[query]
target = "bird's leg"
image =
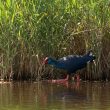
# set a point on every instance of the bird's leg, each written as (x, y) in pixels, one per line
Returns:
(67, 78)
(77, 77)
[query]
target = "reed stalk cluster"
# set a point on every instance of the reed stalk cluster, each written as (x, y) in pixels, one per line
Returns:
(33, 29)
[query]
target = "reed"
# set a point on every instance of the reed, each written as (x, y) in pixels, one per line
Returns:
(31, 30)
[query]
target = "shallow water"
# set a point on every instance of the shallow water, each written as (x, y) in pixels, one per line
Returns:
(48, 96)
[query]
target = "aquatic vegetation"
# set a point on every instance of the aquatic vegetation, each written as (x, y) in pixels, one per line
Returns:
(34, 29)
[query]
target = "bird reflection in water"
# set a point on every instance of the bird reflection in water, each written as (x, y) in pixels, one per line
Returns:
(60, 93)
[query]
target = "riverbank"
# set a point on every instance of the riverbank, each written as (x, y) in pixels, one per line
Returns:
(30, 31)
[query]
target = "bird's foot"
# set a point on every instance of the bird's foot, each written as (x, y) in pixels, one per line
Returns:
(59, 80)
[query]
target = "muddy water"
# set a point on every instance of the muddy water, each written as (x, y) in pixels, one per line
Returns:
(48, 96)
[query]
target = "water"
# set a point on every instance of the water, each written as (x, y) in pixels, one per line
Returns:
(48, 96)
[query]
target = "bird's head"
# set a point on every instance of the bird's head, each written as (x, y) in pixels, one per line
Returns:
(91, 56)
(49, 60)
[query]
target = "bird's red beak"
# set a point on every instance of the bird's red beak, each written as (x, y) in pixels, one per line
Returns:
(45, 61)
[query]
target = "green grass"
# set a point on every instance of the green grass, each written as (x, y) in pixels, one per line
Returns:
(31, 30)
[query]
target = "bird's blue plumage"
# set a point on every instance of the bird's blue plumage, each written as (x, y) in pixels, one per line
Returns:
(72, 63)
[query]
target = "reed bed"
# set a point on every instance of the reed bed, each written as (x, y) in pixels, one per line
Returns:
(33, 29)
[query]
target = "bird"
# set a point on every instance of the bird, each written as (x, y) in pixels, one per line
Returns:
(71, 63)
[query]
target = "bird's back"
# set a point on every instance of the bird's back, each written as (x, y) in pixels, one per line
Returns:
(71, 63)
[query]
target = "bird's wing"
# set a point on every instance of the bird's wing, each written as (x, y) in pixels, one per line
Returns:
(69, 58)
(68, 61)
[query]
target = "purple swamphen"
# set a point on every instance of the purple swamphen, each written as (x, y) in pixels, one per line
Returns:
(71, 63)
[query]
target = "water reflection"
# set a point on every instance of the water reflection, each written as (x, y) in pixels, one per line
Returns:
(54, 96)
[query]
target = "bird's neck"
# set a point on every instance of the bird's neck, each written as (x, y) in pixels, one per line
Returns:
(54, 63)
(86, 58)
